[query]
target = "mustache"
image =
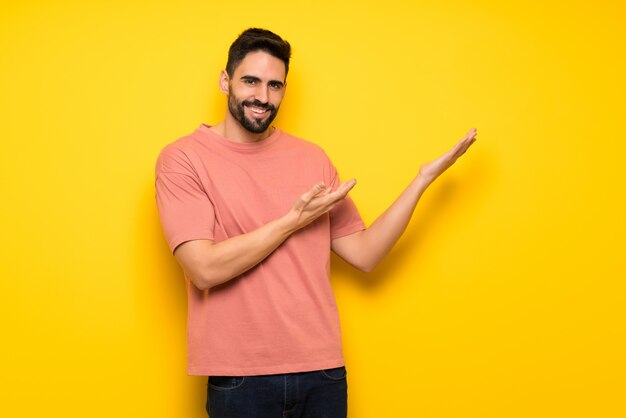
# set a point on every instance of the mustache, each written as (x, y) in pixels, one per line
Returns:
(257, 103)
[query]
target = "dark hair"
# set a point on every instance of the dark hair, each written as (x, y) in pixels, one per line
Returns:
(255, 39)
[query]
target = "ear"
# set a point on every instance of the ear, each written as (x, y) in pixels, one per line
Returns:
(224, 80)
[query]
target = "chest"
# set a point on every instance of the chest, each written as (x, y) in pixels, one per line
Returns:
(250, 191)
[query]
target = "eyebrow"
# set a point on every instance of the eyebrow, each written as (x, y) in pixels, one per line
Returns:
(253, 78)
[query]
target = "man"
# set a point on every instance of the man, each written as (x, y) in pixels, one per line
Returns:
(251, 214)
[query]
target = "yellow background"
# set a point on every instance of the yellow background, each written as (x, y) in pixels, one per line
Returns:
(504, 298)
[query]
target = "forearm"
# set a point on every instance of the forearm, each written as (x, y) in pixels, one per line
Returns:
(211, 264)
(375, 242)
(381, 236)
(208, 264)
(365, 249)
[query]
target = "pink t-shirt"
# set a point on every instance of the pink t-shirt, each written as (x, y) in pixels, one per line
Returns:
(280, 316)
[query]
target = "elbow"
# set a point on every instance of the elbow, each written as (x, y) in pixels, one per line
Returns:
(207, 275)
(361, 261)
(203, 280)
(199, 264)
(201, 284)
(365, 267)
(368, 262)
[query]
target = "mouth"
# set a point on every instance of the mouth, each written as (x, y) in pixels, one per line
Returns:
(258, 111)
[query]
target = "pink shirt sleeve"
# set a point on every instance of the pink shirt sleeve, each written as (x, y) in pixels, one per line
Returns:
(185, 209)
(344, 217)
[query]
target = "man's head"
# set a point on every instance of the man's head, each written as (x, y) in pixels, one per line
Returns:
(255, 39)
(255, 78)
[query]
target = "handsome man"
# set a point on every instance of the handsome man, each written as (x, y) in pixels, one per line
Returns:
(251, 214)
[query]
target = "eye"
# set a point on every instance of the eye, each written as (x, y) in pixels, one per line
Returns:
(275, 85)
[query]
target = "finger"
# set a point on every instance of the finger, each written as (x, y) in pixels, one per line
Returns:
(452, 155)
(343, 189)
(326, 191)
(462, 150)
(470, 134)
(313, 191)
(465, 147)
(464, 143)
(329, 196)
(346, 186)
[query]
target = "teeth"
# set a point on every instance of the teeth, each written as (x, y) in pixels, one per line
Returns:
(257, 110)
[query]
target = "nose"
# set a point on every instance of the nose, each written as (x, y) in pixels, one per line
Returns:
(262, 94)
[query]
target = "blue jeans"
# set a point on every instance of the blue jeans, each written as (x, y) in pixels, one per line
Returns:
(316, 394)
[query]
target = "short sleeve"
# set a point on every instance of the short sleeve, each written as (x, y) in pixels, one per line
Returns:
(185, 210)
(344, 217)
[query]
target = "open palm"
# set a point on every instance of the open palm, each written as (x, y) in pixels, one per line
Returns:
(430, 171)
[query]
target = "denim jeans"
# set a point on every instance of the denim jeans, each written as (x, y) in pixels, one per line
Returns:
(316, 394)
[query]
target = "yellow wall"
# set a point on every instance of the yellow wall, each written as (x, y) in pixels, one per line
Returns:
(506, 295)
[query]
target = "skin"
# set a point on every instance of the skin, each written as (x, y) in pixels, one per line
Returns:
(260, 77)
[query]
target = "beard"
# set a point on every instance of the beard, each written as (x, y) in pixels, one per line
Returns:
(254, 125)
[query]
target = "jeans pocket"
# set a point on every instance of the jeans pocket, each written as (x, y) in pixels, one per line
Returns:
(337, 373)
(225, 382)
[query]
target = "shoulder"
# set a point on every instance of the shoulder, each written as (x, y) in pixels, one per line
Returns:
(175, 156)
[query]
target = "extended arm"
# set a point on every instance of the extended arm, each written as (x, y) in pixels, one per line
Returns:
(365, 249)
(208, 264)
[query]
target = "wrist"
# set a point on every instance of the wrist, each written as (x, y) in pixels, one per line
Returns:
(287, 224)
(423, 181)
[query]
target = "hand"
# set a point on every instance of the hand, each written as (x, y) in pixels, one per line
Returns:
(430, 171)
(317, 201)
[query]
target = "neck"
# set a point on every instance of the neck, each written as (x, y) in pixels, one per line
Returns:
(230, 128)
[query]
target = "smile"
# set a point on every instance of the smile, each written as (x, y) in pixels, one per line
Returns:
(257, 110)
